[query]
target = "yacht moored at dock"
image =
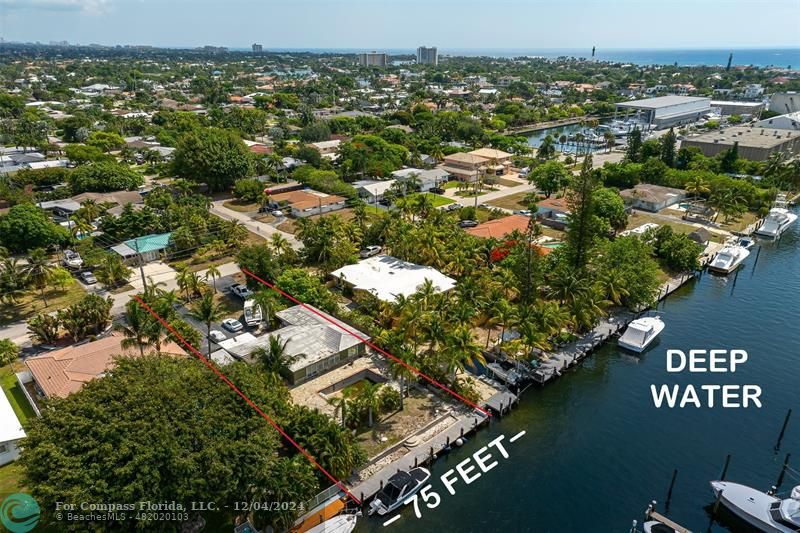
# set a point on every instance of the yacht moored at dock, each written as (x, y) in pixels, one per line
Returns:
(759, 509)
(641, 332)
(728, 259)
(399, 487)
(778, 220)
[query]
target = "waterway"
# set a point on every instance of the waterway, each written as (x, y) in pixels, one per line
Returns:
(535, 138)
(596, 450)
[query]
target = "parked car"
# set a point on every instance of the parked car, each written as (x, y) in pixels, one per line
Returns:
(468, 223)
(453, 207)
(88, 278)
(369, 251)
(232, 325)
(523, 212)
(241, 291)
(277, 213)
(385, 201)
(217, 336)
(436, 190)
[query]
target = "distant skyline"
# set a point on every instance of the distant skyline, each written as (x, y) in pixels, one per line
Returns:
(406, 24)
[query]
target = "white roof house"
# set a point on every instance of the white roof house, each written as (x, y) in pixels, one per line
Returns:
(387, 277)
(10, 431)
(789, 121)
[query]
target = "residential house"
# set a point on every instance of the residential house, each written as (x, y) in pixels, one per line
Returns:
(307, 202)
(465, 167)
(316, 342)
(427, 179)
(387, 277)
(144, 249)
(499, 162)
(11, 432)
(373, 190)
(327, 149)
(553, 212)
(500, 227)
(649, 197)
(59, 373)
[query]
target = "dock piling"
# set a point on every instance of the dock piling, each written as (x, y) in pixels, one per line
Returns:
(669, 492)
(783, 430)
(783, 470)
(725, 468)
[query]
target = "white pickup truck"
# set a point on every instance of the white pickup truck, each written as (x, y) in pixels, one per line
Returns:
(241, 291)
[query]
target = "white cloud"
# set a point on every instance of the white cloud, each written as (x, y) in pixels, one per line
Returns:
(86, 6)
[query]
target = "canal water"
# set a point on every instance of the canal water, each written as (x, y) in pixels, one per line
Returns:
(596, 450)
(535, 139)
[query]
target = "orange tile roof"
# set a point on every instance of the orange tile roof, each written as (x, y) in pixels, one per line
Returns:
(559, 204)
(302, 199)
(500, 227)
(61, 372)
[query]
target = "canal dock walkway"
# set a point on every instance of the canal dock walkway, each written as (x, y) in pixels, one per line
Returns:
(420, 454)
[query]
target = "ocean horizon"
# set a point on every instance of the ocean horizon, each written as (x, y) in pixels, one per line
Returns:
(759, 57)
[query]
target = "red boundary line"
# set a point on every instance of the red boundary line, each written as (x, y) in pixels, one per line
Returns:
(233, 387)
(366, 341)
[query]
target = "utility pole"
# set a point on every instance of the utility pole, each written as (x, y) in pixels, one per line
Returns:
(141, 264)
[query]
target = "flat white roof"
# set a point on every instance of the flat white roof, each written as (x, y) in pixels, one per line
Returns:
(387, 277)
(10, 426)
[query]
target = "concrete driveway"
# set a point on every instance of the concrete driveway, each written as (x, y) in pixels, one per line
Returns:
(254, 226)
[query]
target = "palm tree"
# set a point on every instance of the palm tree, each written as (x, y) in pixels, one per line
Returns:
(182, 278)
(506, 315)
(369, 396)
(612, 284)
(90, 210)
(274, 358)
(38, 271)
(460, 349)
(206, 310)
(138, 324)
(340, 404)
(214, 273)
(697, 186)
(280, 245)
(268, 302)
(234, 232)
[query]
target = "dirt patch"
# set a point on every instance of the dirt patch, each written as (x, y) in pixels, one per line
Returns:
(241, 207)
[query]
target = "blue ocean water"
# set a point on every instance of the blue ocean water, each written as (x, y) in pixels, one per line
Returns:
(759, 57)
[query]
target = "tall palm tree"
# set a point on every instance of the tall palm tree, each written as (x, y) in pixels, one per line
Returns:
(697, 186)
(38, 271)
(135, 329)
(460, 349)
(268, 302)
(182, 278)
(280, 245)
(340, 405)
(213, 273)
(206, 310)
(505, 314)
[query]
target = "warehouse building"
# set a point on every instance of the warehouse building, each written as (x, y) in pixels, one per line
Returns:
(667, 111)
(755, 144)
(737, 107)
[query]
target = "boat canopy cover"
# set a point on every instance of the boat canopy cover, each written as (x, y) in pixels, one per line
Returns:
(637, 333)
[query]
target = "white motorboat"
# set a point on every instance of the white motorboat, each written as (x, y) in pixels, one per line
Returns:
(765, 512)
(343, 523)
(640, 333)
(399, 487)
(252, 313)
(728, 259)
(778, 220)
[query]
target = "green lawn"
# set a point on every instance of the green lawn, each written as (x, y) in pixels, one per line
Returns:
(512, 201)
(15, 395)
(10, 474)
(436, 199)
(452, 184)
(242, 207)
(31, 303)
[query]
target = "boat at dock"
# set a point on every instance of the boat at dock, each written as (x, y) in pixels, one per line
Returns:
(640, 333)
(400, 487)
(343, 523)
(746, 242)
(728, 259)
(778, 220)
(759, 509)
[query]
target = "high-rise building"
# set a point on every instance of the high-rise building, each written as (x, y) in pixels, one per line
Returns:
(427, 55)
(257, 48)
(373, 59)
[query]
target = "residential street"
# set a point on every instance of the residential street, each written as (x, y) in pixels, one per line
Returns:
(259, 228)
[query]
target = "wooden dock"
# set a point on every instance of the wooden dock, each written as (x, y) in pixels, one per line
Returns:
(501, 402)
(653, 515)
(421, 454)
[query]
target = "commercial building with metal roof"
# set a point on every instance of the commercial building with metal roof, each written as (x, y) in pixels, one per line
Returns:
(667, 111)
(755, 144)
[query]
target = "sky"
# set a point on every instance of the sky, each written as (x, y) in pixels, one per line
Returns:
(406, 24)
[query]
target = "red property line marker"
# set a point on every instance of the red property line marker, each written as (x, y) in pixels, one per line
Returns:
(367, 342)
(233, 387)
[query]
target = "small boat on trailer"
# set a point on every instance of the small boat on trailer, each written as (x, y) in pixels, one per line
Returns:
(343, 523)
